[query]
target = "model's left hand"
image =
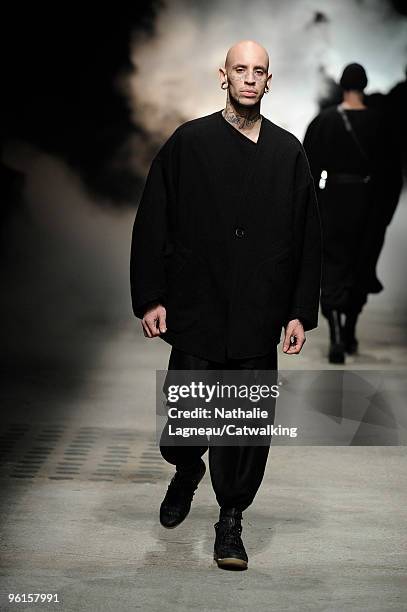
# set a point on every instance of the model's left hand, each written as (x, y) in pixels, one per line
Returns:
(294, 328)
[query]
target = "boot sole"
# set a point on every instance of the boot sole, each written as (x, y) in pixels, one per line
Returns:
(172, 526)
(231, 563)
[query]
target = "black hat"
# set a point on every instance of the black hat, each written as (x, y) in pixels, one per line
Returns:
(353, 77)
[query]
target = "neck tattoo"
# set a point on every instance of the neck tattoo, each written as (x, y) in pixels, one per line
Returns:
(240, 121)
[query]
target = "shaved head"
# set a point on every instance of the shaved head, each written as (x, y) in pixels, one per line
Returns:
(245, 51)
(246, 79)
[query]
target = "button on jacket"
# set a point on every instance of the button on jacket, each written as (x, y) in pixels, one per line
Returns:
(227, 237)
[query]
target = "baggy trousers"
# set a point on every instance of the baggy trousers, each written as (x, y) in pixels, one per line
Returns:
(236, 471)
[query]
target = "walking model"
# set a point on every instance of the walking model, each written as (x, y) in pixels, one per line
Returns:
(226, 251)
(357, 172)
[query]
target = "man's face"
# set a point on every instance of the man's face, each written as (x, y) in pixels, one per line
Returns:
(247, 76)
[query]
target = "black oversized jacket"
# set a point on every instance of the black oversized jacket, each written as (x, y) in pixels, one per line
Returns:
(230, 274)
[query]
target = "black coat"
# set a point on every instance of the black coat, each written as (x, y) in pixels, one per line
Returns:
(231, 271)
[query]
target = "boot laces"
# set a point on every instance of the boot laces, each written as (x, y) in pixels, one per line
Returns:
(230, 532)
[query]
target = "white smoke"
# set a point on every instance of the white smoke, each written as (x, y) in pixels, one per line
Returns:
(67, 260)
(177, 70)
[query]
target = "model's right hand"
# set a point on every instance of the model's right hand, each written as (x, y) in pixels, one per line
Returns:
(154, 321)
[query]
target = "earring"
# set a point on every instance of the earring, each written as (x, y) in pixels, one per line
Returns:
(224, 83)
(266, 89)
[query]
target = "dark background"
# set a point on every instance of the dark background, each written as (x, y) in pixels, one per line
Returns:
(75, 155)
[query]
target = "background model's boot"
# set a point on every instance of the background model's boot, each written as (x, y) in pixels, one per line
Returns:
(177, 501)
(337, 347)
(229, 552)
(349, 333)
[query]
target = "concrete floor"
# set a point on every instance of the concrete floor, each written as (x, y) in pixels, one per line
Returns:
(325, 533)
(82, 480)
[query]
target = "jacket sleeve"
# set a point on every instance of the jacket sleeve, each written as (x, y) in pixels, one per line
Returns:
(147, 273)
(306, 294)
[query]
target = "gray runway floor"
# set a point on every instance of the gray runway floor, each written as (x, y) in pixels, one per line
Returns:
(82, 480)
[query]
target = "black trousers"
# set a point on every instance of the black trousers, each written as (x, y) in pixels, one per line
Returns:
(236, 471)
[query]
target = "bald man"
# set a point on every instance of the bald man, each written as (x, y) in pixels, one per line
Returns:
(226, 252)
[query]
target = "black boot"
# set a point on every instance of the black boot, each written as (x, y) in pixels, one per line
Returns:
(337, 347)
(349, 333)
(229, 552)
(177, 501)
